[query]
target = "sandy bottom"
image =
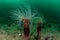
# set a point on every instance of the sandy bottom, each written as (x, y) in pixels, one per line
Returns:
(49, 35)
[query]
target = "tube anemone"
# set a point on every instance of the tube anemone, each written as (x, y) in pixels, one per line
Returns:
(39, 30)
(26, 29)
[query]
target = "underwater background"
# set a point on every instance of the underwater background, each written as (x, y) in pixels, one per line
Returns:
(12, 13)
